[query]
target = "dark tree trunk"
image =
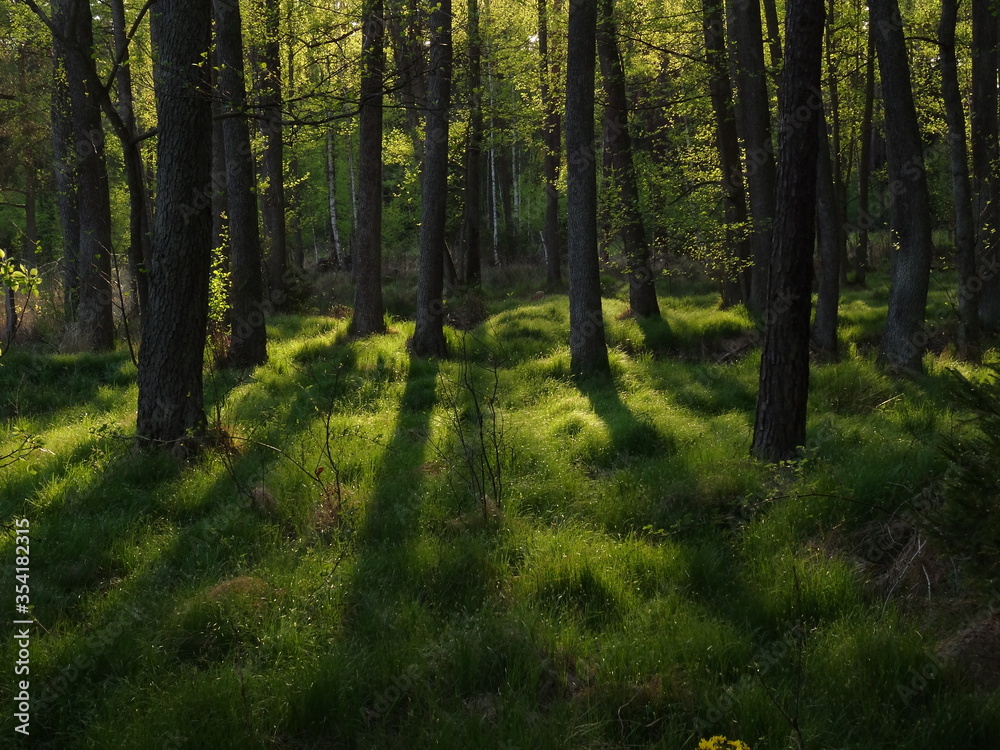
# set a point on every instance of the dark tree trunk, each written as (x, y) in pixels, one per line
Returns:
(64, 171)
(865, 165)
(140, 215)
(220, 194)
(985, 155)
(755, 125)
(428, 335)
(94, 312)
(587, 347)
(369, 310)
(248, 339)
(474, 155)
(828, 230)
(736, 283)
(965, 240)
(171, 360)
(272, 165)
(618, 144)
(773, 33)
(551, 127)
(910, 214)
(780, 424)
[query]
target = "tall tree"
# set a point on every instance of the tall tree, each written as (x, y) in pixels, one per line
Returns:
(171, 361)
(824, 335)
(549, 71)
(369, 310)
(248, 339)
(273, 160)
(428, 335)
(910, 213)
(985, 128)
(94, 311)
(618, 145)
(735, 286)
(780, 422)
(755, 125)
(965, 241)
(865, 163)
(587, 347)
(472, 220)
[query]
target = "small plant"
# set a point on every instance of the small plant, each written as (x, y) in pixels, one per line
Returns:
(478, 430)
(219, 327)
(718, 742)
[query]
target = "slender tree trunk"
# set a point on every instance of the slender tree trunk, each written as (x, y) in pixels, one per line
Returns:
(272, 164)
(551, 127)
(828, 224)
(985, 156)
(965, 241)
(755, 116)
(220, 193)
(587, 347)
(780, 423)
(140, 231)
(64, 171)
(94, 313)
(773, 34)
(331, 189)
(833, 126)
(369, 310)
(405, 25)
(736, 283)
(474, 155)
(171, 360)
(428, 335)
(248, 339)
(865, 165)
(904, 339)
(642, 290)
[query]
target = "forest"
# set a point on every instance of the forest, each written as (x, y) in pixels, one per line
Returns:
(501, 374)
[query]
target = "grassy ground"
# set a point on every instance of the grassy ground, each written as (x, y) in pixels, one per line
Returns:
(642, 584)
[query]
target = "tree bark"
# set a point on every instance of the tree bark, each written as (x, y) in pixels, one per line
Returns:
(755, 122)
(171, 360)
(248, 338)
(64, 171)
(965, 241)
(94, 312)
(428, 335)
(587, 347)
(865, 165)
(474, 155)
(910, 213)
(828, 223)
(642, 289)
(780, 423)
(735, 283)
(551, 137)
(369, 310)
(985, 155)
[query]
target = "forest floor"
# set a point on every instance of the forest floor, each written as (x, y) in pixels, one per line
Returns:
(332, 575)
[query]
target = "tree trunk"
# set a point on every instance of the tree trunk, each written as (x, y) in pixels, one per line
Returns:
(755, 122)
(910, 214)
(828, 225)
(642, 290)
(405, 26)
(64, 171)
(773, 33)
(780, 423)
(965, 241)
(985, 155)
(474, 155)
(272, 164)
(171, 360)
(736, 273)
(369, 310)
(94, 312)
(248, 338)
(551, 127)
(331, 189)
(428, 335)
(587, 347)
(865, 165)
(140, 230)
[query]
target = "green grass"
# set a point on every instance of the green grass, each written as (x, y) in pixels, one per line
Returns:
(641, 565)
